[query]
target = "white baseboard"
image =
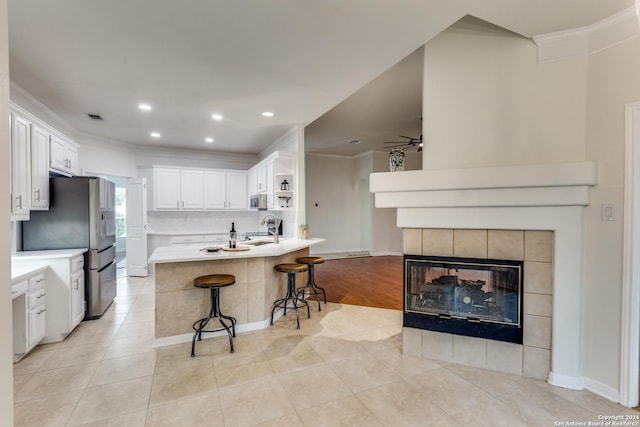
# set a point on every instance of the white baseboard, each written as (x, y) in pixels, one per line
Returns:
(343, 254)
(566, 381)
(582, 383)
(386, 253)
(603, 390)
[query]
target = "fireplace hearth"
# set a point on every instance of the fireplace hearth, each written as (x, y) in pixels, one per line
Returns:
(464, 296)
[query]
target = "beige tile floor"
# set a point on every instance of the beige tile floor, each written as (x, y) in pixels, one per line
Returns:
(343, 367)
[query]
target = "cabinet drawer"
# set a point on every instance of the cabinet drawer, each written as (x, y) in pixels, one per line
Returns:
(37, 298)
(185, 240)
(36, 282)
(77, 263)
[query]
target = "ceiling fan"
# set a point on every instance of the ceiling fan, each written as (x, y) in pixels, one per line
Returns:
(408, 144)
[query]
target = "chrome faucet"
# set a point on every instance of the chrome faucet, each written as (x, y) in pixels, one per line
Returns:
(276, 237)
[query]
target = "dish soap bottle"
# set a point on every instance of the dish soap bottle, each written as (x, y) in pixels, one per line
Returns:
(232, 236)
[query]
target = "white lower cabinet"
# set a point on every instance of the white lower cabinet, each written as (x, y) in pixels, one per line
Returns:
(64, 288)
(29, 313)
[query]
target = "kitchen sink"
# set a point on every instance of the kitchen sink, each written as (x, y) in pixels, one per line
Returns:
(258, 243)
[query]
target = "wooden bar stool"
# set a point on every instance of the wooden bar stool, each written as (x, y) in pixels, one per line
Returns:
(311, 285)
(291, 270)
(213, 282)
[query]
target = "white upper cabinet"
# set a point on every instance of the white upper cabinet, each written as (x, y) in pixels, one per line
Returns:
(166, 188)
(20, 167)
(39, 168)
(215, 196)
(225, 190)
(269, 184)
(195, 189)
(237, 190)
(192, 189)
(252, 182)
(261, 171)
(63, 156)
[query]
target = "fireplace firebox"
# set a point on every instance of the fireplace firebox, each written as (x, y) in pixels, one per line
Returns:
(464, 296)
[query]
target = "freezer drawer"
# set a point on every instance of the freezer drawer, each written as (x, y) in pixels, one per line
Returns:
(98, 259)
(100, 290)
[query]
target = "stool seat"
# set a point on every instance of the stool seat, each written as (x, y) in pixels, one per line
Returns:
(286, 268)
(310, 260)
(291, 270)
(210, 280)
(311, 286)
(213, 282)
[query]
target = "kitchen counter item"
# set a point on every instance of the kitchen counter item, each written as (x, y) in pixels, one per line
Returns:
(239, 248)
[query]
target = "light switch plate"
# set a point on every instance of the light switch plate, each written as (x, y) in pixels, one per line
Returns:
(608, 212)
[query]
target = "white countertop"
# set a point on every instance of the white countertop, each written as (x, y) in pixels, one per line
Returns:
(55, 253)
(19, 273)
(194, 253)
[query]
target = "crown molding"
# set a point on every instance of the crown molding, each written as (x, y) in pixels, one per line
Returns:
(584, 41)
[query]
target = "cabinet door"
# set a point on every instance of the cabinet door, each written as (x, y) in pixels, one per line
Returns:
(270, 195)
(167, 189)
(77, 297)
(72, 160)
(261, 170)
(20, 167)
(236, 190)
(37, 323)
(192, 189)
(252, 182)
(215, 190)
(57, 154)
(39, 168)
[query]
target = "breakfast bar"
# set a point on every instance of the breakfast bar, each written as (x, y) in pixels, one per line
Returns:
(250, 300)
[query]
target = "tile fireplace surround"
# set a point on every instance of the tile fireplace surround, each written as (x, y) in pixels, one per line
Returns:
(535, 248)
(548, 199)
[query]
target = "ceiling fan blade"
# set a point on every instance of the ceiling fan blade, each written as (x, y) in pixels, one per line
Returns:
(408, 137)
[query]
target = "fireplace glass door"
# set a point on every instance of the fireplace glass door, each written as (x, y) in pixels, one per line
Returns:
(460, 288)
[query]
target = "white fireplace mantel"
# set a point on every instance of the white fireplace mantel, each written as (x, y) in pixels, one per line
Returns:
(526, 197)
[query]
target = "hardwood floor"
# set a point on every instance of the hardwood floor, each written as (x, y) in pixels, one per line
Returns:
(366, 281)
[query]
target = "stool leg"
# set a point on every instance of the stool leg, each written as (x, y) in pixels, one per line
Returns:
(312, 286)
(216, 301)
(202, 323)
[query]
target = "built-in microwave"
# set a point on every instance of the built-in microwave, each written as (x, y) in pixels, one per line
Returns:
(258, 201)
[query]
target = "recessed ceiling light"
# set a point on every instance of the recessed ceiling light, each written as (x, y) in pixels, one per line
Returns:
(145, 107)
(209, 140)
(267, 114)
(155, 135)
(216, 116)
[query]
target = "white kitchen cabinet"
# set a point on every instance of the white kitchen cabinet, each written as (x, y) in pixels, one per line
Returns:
(39, 167)
(63, 156)
(215, 184)
(269, 183)
(252, 182)
(261, 173)
(225, 190)
(20, 167)
(77, 294)
(176, 189)
(64, 287)
(192, 189)
(28, 310)
(37, 307)
(237, 190)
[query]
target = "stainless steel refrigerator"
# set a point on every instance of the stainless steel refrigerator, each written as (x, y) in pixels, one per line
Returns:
(81, 215)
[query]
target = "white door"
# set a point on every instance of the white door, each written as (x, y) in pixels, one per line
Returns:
(39, 168)
(136, 227)
(20, 167)
(237, 190)
(192, 189)
(215, 190)
(77, 298)
(167, 188)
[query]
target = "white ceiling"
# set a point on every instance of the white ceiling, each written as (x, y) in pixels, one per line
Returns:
(297, 58)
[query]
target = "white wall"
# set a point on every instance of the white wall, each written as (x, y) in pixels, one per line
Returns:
(6, 335)
(333, 203)
(487, 102)
(612, 83)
